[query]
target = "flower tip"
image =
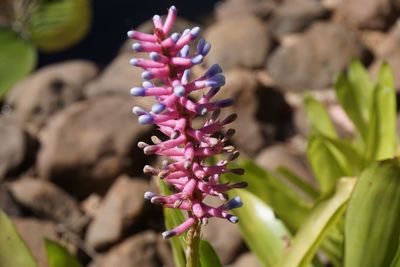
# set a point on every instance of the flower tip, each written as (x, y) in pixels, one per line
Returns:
(138, 111)
(134, 61)
(234, 203)
(149, 195)
(195, 32)
(233, 219)
(137, 47)
(138, 91)
(168, 234)
(175, 37)
(197, 59)
(158, 108)
(130, 34)
(146, 75)
(173, 9)
(145, 119)
(179, 91)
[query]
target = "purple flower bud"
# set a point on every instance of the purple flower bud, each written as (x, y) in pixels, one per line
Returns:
(240, 185)
(138, 91)
(213, 70)
(149, 195)
(238, 171)
(233, 219)
(185, 77)
(133, 61)
(195, 32)
(197, 59)
(202, 110)
(130, 34)
(138, 111)
(234, 203)
(154, 56)
(179, 91)
(186, 32)
(232, 117)
(146, 75)
(213, 91)
(146, 119)
(158, 108)
(137, 47)
(175, 37)
(200, 45)
(206, 49)
(168, 234)
(184, 51)
(225, 103)
(216, 81)
(147, 84)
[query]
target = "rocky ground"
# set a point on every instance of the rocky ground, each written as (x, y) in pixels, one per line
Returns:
(69, 166)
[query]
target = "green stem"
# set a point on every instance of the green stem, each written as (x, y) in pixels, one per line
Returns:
(193, 242)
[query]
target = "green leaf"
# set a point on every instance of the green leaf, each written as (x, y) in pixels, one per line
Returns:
(372, 227)
(349, 101)
(264, 234)
(18, 59)
(58, 24)
(318, 117)
(382, 138)
(288, 204)
(396, 260)
(321, 220)
(326, 162)
(59, 256)
(174, 217)
(13, 251)
(208, 257)
(298, 182)
(362, 86)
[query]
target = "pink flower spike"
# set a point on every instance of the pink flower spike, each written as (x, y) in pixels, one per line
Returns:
(169, 21)
(142, 36)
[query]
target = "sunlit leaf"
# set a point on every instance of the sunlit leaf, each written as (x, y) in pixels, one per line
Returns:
(372, 227)
(58, 24)
(307, 188)
(59, 256)
(264, 234)
(321, 220)
(318, 117)
(13, 251)
(18, 58)
(208, 257)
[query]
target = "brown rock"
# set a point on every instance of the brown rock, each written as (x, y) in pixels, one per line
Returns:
(319, 54)
(225, 239)
(14, 150)
(7, 203)
(47, 201)
(247, 260)
(48, 91)
(229, 9)
(85, 147)
(139, 250)
(33, 233)
(120, 209)
(234, 45)
(374, 14)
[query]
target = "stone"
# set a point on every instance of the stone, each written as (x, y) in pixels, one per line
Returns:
(247, 259)
(235, 45)
(86, 146)
(7, 203)
(138, 250)
(48, 91)
(282, 155)
(121, 208)
(225, 238)
(229, 9)
(33, 232)
(312, 62)
(388, 51)
(374, 14)
(47, 201)
(295, 15)
(17, 148)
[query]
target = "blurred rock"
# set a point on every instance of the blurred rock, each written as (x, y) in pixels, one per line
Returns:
(388, 51)
(17, 148)
(138, 250)
(164, 252)
(49, 90)
(86, 146)
(225, 238)
(229, 9)
(47, 201)
(366, 14)
(7, 203)
(295, 15)
(318, 55)
(120, 209)
(263, 114)
(33, 232)
(235, 45)
(282, 155)
(247, 260)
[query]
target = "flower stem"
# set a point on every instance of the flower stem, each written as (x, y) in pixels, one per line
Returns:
(193, 242)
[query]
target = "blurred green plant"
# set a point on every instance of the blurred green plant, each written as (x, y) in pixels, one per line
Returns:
(28, 25)
(353, 217)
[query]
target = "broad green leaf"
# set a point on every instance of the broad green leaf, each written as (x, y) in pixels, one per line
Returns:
(286, 203)
(13, 251)
(362, 86)
(208, 257)
(173, 218)
(298, 182)
(318, 117)
(326, 163)
(381, 142)
(59, 256)
(321, 220)
(17, 59)
(348, 99)
(396, 260)
(58, 24)
(333, 245)
(264, 234)
(372, 227)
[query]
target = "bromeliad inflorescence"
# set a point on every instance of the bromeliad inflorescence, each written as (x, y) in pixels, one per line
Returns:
(187, 147)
